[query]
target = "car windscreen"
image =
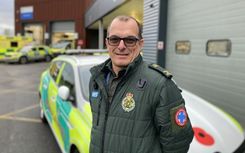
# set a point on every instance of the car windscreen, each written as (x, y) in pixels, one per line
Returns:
(84, 76)
(60, 45)
(25, 49)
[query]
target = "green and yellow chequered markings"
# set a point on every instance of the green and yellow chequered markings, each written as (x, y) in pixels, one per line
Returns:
(11, 115)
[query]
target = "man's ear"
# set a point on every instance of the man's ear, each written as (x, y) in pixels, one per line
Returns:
(106, 42)
(141, 43)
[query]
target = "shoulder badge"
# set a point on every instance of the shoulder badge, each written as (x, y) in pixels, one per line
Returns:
(163, 71)
(128, 102)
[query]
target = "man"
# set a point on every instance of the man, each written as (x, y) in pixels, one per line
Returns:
(136, 107)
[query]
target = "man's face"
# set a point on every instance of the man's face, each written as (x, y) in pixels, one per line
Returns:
(121, 54)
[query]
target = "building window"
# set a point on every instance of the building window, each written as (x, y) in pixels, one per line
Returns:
(220, 47)
(183, 47)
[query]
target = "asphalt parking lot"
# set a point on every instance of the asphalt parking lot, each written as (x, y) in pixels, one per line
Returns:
(21, 130)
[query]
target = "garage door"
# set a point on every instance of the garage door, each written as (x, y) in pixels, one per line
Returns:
(67, 26)
(35, 31)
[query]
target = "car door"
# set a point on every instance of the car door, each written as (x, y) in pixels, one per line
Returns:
(42, 52)
(44, 93)
(64, 107)
(33, 54)
(55, 72)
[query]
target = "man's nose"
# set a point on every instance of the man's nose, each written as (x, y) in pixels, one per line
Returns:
(121, 45)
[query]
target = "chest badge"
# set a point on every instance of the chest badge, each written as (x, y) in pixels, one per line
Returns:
(128, 102)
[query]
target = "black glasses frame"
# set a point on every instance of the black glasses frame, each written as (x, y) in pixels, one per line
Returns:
(128, 41)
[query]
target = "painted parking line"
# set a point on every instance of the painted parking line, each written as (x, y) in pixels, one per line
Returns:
(24, 119)
(16, 91)
(11, 115)
(20, 110)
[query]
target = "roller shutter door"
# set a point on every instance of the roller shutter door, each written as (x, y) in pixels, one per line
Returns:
(150, 30)
(67, 26)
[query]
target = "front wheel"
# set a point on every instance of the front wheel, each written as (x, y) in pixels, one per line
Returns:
(48, 58)
(42, 116)
(23, 60)
(75, 150)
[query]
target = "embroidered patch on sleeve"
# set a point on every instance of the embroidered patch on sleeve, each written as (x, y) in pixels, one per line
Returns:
(179, 117)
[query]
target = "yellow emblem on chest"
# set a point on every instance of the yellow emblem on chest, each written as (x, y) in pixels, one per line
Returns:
(128, 102)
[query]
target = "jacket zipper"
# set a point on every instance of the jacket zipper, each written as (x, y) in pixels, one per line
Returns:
(108, 104)
(105, 123)
(98, 116)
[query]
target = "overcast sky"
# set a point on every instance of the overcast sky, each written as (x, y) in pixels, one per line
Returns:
(6, 16)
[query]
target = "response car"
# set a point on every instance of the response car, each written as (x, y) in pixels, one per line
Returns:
(27, 54)
(64, 101)
(60, 47)
(65, 106)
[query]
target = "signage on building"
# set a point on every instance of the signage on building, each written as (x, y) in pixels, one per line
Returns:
(160, 45)
(26, 13)
(46, 35)
(80, 42)
(76, 35)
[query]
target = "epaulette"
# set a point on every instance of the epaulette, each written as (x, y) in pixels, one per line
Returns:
(163, 71)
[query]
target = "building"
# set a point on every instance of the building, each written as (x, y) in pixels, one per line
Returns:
(49, 21)
(101, 12)
(86, 21)
(200, 42)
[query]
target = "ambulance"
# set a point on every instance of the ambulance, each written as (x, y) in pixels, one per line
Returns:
(12, 44)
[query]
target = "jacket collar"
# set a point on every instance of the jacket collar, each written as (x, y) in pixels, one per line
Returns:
(107, 67)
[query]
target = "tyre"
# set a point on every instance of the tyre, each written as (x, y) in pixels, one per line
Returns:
(42, 116)
(75, 151)
(68, 47)
(23, 60)
(48, 58)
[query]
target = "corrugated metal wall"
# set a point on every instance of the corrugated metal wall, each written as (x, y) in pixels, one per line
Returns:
(220, 80)
(150, 30)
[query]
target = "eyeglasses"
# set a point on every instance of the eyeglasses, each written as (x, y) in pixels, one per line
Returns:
(128, 41)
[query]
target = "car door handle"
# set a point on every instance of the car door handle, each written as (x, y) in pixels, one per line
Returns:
(53, 98)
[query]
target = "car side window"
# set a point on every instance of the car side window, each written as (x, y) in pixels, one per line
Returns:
(33, 49)
(55, 69)
(41, 49)
(67, 79)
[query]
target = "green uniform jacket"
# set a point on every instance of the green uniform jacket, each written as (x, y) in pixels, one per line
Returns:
(142, 115)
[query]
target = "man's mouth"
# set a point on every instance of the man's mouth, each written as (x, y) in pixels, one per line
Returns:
(122, 54)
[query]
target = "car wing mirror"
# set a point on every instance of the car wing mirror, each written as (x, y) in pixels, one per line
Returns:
(64, 92)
